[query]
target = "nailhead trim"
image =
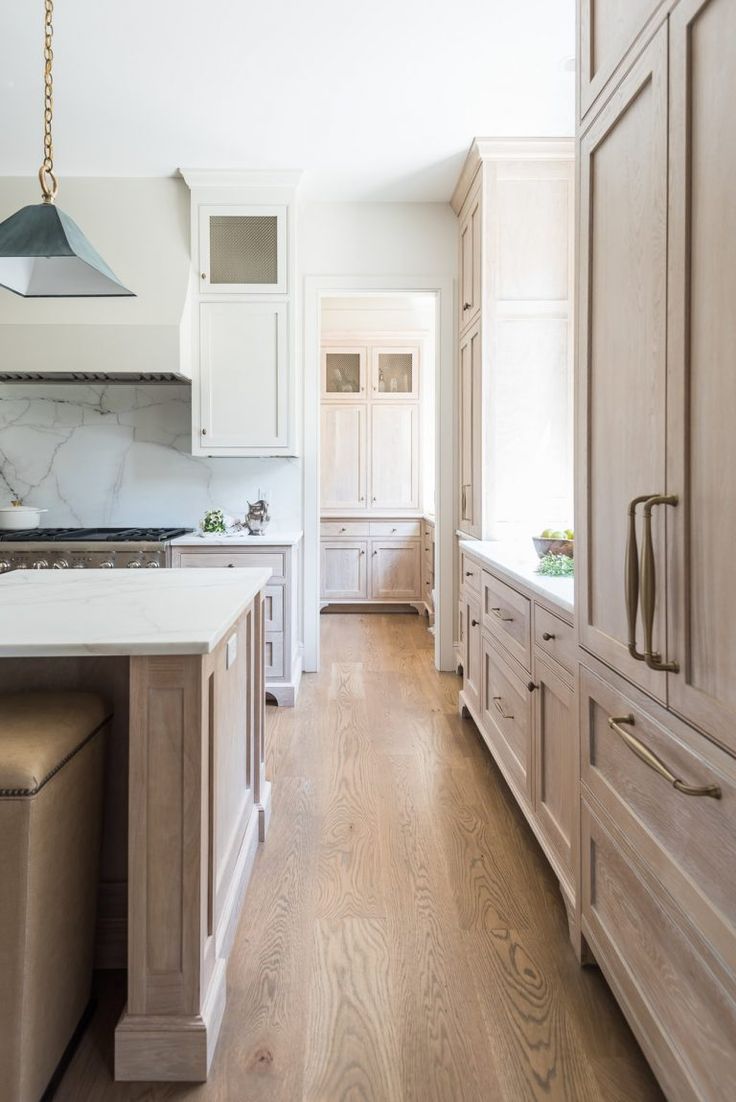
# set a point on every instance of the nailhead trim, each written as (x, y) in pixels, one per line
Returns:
(60, 765)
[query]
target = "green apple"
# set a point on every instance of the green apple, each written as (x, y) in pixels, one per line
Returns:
(557, 535)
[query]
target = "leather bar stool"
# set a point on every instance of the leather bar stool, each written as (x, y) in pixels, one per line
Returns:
(51, 765)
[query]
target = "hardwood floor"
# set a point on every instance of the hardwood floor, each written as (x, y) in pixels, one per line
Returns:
(403, 939)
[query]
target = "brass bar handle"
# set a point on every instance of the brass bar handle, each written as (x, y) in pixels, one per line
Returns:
(654, 762)
(497, 612)
(649, 585)
(499, 708)
(631, 576)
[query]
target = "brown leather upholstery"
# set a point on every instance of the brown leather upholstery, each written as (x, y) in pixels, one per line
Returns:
(51, 758)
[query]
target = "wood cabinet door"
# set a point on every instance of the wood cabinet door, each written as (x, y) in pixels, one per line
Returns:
(702, 381)
(622, 352)
(555, 752)
(608, 30)
(506, 720)
(343, 373)
(395, 456)
(472, 656)
(244, 399)
(343, 462)
(470, 431)
(470, 258)
(344, 568)
(395, 570)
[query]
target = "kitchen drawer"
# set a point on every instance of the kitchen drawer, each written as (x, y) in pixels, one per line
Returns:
(274, 666)
(469, 573)
(273, 608)
(555, 638)
(676, 994)
(342, 528)
(428, 560)
(275, 560)
(428, 531)
(428, 586)
(506, 719)
(689, 841)
(410, 529)
(507, 615)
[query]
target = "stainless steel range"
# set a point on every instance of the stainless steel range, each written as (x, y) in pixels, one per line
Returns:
(86, 548)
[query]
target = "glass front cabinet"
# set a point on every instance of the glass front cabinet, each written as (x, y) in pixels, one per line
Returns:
(395, 372)
(243, 335)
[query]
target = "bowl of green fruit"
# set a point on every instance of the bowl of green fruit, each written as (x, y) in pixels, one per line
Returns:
(555, 542)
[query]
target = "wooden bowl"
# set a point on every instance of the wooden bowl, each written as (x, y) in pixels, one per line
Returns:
(544, 546)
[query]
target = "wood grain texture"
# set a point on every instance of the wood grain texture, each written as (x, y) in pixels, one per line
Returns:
(403, 938)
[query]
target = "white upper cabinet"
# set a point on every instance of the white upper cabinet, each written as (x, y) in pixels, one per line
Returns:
(243, 249)
(343, 374)
(243, 378)
(395, 372)
(243, 338)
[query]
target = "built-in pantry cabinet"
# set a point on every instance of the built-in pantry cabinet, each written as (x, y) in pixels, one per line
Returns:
(654, 526)
(242, 342)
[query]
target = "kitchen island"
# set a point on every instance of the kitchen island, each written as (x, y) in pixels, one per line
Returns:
(180, 654)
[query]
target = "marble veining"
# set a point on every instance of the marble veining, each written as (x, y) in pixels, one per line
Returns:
(119, 454)
(49, 613)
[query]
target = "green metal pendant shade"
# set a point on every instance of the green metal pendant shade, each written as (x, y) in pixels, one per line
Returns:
(44, 254)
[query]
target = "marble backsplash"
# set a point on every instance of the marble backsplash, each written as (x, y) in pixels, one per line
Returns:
(120, 454)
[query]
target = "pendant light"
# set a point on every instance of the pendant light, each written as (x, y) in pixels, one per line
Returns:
(43, 252)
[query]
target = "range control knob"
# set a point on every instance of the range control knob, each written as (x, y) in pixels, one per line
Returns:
(40, 564)
(152, 565)
(107, 565)
(4, 566)
(135, 564)
(60, 564)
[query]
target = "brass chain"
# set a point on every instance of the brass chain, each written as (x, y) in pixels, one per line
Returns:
(49, 184)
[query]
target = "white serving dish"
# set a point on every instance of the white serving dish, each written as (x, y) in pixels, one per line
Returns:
(16, 517)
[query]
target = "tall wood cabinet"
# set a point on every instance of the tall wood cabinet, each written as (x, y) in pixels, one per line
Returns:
(370, 442)
(244, 292)
(514, 201)
(655, 525)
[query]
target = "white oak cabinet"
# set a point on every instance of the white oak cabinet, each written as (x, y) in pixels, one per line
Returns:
(344, 464)
(517, 654)
(654, 528)
(515, 206)
(372, 561)
(370, 427)
(283, 647)
(243, 336)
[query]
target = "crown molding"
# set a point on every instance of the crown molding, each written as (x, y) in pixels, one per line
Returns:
(483, 150)
(240, 178)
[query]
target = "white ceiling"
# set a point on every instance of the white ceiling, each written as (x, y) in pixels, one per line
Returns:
(375, 100)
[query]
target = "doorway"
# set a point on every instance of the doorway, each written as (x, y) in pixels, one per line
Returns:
(378, 402)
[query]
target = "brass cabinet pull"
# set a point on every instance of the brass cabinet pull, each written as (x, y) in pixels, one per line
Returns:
(654, 762)
(464, 490)
(649, 585)
(499, 708)
(497, 612)
(631, 577)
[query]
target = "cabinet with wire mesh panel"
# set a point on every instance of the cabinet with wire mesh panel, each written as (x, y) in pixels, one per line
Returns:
(243, 337)
(395, 372)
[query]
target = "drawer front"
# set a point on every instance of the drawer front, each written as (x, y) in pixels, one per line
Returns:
(506, 715)
(428, 586)
(688, 840)
(341, 528)
(273, 608)
(506, 614)
(275, 560)
(470, 573)
(686, 1014)
(274, 655)
(555, 638)
(410, 529)
(428, 531)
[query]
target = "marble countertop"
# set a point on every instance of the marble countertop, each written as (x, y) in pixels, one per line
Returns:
(512, 562)
(272, 538)
(50, 613)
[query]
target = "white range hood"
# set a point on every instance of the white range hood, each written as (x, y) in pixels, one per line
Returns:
(141, 227)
